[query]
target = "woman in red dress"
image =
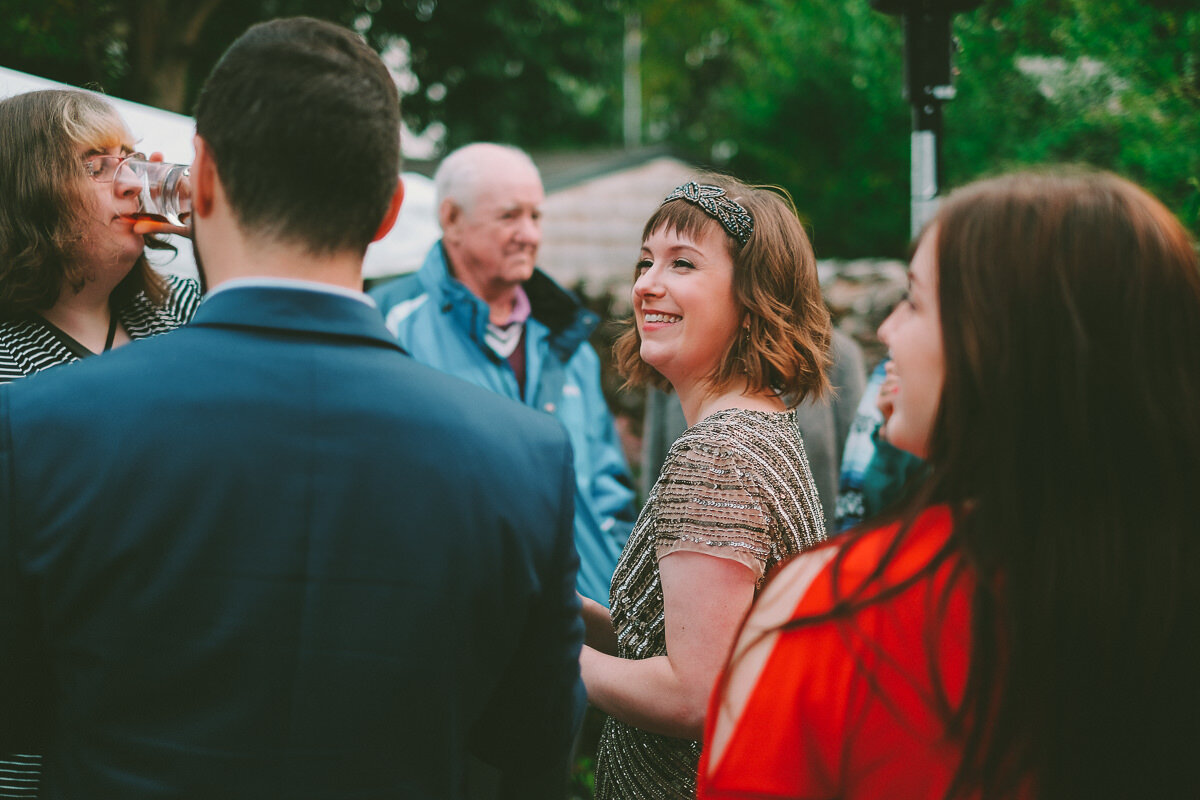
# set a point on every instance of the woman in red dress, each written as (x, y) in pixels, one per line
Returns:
(1028, 626)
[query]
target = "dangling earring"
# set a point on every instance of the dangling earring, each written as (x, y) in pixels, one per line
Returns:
(744, 345)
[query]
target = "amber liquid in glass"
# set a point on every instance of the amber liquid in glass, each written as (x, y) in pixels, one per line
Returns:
(143, 216)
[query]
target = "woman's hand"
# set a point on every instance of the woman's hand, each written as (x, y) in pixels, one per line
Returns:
(598, 627)
(705, 599)
(886, 399)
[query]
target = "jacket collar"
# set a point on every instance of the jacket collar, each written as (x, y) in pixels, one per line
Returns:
(568, 321)
(294, 309)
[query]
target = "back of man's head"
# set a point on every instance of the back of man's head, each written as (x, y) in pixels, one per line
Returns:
(303, 122)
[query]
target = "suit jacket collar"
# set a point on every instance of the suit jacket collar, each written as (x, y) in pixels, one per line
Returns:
(295, 310)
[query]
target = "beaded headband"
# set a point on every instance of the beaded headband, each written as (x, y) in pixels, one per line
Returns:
(732, 216)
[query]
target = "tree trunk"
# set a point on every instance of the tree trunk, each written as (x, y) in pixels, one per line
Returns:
(162, 36)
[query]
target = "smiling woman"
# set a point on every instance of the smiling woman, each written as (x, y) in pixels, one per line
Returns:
(74, 280)
(918, 364)
(1026, 625)
(684, 305)
(727, 311)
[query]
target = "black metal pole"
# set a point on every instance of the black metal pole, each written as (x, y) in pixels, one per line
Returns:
(927, 65)
(927, 86)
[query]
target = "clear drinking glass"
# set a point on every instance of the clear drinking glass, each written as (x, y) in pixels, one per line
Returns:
(164, 189)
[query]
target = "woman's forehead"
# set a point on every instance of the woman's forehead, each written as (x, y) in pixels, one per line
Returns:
(922, 270)
(99, 131)
(108, 139)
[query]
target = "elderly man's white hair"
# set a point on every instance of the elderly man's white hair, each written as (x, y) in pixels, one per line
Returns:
(458, 176)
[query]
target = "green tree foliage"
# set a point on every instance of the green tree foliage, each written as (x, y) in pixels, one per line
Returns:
(800, 94)
(66, 40)
(1112, 84)
(540, 72)
(139, 49)
(805, 94)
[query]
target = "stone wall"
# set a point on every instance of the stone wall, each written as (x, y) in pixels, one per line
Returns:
(860, 294)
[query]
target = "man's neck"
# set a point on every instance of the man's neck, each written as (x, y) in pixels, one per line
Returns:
(239, 259)
(346, 276)
(501, 298)
(228, 251)
(500, 308)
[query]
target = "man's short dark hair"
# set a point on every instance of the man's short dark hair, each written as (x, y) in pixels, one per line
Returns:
(303, 121)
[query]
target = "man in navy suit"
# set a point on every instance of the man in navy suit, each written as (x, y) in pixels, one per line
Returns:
(217, 579)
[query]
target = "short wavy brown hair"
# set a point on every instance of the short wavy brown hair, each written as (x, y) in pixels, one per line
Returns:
(786, 343)
(44, 196)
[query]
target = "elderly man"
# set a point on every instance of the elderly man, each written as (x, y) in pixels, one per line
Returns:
(479, 309)
(269, 555)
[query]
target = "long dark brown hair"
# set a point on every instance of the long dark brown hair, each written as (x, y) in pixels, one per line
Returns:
(1067, 445)
(43, 199)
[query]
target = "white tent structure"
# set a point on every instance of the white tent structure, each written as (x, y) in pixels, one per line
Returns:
(171, 134)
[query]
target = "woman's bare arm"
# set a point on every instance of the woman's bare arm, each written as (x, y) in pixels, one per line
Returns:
(705, 599)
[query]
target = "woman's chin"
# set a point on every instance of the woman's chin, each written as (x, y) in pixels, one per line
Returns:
(902, 439)
(653, 357)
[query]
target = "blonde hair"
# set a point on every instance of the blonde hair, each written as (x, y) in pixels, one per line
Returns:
(41, 134)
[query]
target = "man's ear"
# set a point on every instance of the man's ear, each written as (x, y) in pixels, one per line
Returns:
(389, 219)
(204, 178)
(448, 213)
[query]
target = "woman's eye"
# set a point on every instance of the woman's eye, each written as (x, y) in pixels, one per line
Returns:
(683, 263)
(101, 168)
(642, 265)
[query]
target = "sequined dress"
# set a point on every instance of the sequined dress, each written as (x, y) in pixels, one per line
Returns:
(735, 485)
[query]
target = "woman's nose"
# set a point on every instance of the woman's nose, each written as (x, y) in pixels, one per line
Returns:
(125, 183)
(885, 328)
(125, 187)
(647, 284)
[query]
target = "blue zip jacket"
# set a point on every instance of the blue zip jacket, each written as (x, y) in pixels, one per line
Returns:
(439, 321)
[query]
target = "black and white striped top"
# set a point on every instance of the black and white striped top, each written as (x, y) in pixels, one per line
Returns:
(30, 345)
(19, 775)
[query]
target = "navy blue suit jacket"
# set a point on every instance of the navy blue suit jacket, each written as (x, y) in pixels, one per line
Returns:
(271, 556)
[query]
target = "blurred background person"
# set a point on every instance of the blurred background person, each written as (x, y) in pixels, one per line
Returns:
(727, 311)
(874, 474)
(480, 309)
(1028, 626)
(74, 279)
